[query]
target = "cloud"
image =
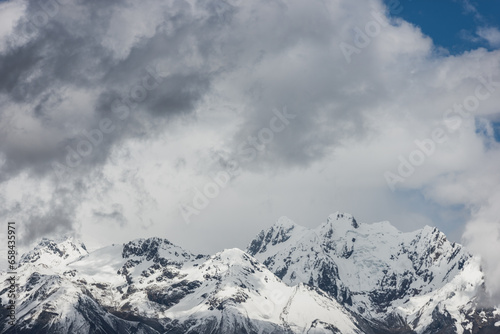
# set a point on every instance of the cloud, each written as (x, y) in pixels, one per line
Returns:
(482, 235)
(491, 35)
(116, 214)
(470, 7)
(69, 68)
(140, 104)
(68, 72)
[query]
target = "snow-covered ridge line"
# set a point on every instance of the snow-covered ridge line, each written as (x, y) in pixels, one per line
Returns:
(341, 277)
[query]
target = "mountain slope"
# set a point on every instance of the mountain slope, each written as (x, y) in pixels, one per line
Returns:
(410, 281)
(341, 277)
(153, 286)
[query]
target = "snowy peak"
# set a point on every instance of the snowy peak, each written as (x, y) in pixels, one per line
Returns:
(374, 269)
(153, 257)
(342, 217)
(229, 259)
(231, 262)
(55, 252)
(338, 232)
(285, 232)
(285, 222)
(282, 231)
(156, 250)
(434, 257)
(147, 248)
(232, 256)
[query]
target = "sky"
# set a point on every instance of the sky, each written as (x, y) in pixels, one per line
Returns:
(204, 122)
(456, 25)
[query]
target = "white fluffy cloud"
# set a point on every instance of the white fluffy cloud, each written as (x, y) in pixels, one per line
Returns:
(491, 35)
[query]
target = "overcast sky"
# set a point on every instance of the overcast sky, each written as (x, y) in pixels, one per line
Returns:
(203, 122)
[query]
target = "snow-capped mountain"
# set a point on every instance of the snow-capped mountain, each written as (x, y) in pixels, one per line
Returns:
(342, 277)
(412, 282)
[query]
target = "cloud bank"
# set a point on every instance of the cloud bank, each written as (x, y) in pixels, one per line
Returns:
(139, 105)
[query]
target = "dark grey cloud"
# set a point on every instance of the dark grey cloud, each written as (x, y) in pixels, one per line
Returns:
(81, 90)
(114, 213)
(194, 46)
(64, 55)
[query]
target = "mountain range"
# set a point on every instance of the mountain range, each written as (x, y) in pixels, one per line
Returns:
(341, 277)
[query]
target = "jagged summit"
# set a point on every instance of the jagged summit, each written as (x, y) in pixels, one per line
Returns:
(61, 242)
(232, 254)
(342, 216)
(56, 251)
(337, 225)
(285, 222)
(284, 231)
(278, 233)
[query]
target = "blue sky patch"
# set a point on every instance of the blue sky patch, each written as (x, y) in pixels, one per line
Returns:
(457, 25)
